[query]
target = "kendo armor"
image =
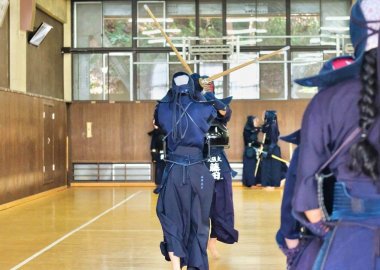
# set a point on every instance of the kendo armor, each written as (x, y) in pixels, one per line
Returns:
(218, 135)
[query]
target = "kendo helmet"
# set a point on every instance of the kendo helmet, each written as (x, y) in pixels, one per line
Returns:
(197, 86)
(365, 26)
(270, 116)
(182, 83)
(249, 123)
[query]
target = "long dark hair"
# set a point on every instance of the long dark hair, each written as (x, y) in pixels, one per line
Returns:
(365, 157)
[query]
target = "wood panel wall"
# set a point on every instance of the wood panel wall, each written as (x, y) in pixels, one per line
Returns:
(21, 145)
(45, 63)
(119, 131)
(4, 52)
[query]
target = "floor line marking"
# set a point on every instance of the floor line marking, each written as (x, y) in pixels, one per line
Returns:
(35, 255)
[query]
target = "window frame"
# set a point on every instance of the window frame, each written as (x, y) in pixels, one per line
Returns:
(134, 49)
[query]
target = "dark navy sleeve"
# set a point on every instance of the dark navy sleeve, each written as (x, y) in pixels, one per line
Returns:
(152, 141)
(274, 133)
(289, 227)
(246, 136)
(212, 116)
(265, 128)
(155, 115)
(227, 116)
(313, 153)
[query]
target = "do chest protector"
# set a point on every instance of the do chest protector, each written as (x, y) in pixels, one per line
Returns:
(218, 136)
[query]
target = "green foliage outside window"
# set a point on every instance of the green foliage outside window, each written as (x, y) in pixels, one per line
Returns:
(275, 26)
(304, 25)
(186, 25)
(118, 33)
(210, 27)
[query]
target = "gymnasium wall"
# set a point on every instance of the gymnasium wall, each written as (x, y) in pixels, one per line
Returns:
(4, 52)
(55, 8)
(33, 115)
(44, 64)
(24, 142)
(119, 130)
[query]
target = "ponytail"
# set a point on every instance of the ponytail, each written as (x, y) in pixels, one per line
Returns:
(365, 157)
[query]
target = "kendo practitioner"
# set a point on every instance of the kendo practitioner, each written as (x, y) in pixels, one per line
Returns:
(272, 171)
(157, 153)
(250, 156)
(222, 209)
(186, 192)
(298, 245)
(341, 132)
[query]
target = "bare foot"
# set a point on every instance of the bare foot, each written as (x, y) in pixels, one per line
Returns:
(211, 246)
(176, 263)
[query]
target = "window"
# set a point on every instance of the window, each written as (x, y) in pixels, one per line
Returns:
(152, 76)
(88, 25)
(120, 76)
(327, 18)
(103, 76)
(90, 77)
(177, 18)
(210, 21)
(242, 22)
(105, 53)
(211, 68)
(107, 24)
(305, 64)
(273, 77)
(252, 21)
(117, 23)
(335, 22)
(272, 14)
(305, 22)
(147, 32)
(244, 83)
(182, 14)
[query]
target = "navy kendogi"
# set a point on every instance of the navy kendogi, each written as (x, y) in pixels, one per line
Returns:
(222, 209)
(303, 256)
(186, 192)
(348, 105)
(251, 143)
(271, 170)
(157, 153)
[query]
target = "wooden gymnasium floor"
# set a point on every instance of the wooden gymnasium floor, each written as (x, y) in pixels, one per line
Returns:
(117, 228)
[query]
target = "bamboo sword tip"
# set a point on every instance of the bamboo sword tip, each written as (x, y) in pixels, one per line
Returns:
(146, 7)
